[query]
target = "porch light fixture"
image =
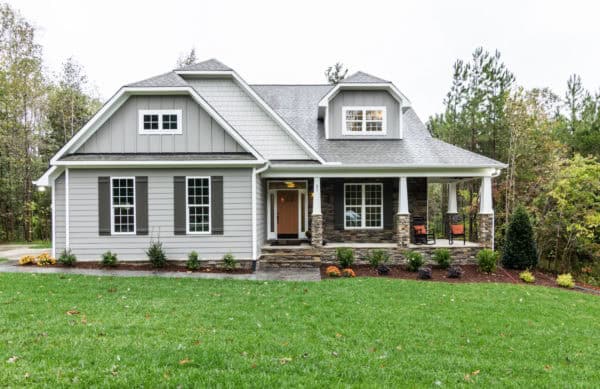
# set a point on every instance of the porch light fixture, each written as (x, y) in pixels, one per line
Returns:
(290, 184)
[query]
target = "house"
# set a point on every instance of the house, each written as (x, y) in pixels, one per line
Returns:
(201, 160)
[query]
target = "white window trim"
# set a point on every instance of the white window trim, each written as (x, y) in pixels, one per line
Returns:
(364, 121)
(187, 206)
(363, 206)
(160, 113)
(112, 207)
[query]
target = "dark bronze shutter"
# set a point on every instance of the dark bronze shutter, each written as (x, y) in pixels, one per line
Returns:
(141, 205)
(104, 206)
(216, 205)
(338, 205)
(388, 204)
(179, 211)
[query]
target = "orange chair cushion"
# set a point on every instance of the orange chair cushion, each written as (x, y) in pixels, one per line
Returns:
(420, 229)
(457, 229)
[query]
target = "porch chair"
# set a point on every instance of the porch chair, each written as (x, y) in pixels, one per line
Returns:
(419, 232)
(456, 230)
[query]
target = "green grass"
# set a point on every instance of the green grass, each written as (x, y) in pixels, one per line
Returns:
(3, 259)
(151, 332)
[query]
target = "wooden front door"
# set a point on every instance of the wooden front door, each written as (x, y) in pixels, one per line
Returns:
(287, 213)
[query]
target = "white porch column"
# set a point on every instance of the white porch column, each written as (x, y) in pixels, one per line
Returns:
(452, 197)
(403, 197)
(485, 196)
(316, 196)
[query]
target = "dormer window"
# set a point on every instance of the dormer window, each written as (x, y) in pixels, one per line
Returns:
(159, 121)
(363, 121)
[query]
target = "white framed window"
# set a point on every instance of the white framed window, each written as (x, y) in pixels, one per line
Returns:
(122, 205)
(198, 205)
(363, 206)
(364, 121)
(159, 121)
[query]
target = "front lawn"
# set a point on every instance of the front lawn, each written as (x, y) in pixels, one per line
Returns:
(131, 332)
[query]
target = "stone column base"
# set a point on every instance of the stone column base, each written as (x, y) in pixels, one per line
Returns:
(403, 229)
(485, 222)
(316, 230)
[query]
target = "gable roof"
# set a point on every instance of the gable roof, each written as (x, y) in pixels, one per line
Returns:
(163, 80)
(363, 78)
(210, 65)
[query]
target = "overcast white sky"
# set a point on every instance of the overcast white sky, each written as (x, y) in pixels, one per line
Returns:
(412, 43)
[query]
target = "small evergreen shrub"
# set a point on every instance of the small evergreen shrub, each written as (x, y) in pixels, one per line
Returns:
(345, 256)
(348, 273)
(565, 281)
(520, 251)
(333, 271)
(156, 254)
(527, 276)
(192, 262)
(455, 271)
(378, 257)
(415, 260)
(383, 270)
(442, 257)
(109, 259)
(67, 258)
(424, 273)
(486, 260)
(229, 261)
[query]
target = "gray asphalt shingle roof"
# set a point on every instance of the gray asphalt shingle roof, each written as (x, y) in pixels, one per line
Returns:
(363, 78)
(210, 65)
(162, 80)
(82, 157)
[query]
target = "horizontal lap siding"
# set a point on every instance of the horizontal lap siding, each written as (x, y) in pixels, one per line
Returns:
(261, 215)
(59, 214)
(88, 245)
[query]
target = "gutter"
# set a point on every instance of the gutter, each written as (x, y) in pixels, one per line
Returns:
(255, 173)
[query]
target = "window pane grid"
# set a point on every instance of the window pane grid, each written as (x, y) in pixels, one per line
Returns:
(160, 121)
(198, 200)
(364, 120)
(363, 205)
(123, 205)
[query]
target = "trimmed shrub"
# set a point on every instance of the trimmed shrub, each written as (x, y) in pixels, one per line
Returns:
(333, 271)
(486, 260)
(415, 260)
(565, 280)
(45, 259)
(109, 259)
(383, 270)
(455, 271)
(67, 258)
(192, 262)
(348, 272)
(442, 257)
(424, 273)
(378, 257)
(527, 276)
(229, 261)
(520, 251)
(156, 254)
(345, 256)
(26, 260)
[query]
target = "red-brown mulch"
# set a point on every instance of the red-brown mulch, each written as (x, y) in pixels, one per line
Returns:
(470, 274)
(169, 267)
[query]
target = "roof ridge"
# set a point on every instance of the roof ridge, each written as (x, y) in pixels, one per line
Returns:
(360, 77)
(211, 64)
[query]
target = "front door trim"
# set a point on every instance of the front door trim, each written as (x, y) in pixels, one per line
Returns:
(272, 193)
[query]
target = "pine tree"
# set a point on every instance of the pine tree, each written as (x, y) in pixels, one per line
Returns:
(336, 73)
(520, 251)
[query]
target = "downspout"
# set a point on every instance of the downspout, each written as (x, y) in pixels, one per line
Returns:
(255, 173)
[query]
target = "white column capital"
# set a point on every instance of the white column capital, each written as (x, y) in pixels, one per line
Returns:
(316, 196)
(402, 196)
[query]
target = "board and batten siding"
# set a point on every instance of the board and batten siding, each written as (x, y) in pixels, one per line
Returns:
(59, 214)
(87, 244)
(248, 118)
(364, 99)
(201, 134)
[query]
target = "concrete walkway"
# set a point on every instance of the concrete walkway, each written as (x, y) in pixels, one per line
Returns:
(16, 251)
(260, 275)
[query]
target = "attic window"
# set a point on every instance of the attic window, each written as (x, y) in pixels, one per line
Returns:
(159, 121)
(363, 121)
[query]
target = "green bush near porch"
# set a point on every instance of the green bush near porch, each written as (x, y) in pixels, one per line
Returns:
(362, 332)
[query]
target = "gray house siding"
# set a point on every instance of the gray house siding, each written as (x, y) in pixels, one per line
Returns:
(119, 134)
(88, 245)
(246, 116)
(364, 98)
(59, 214)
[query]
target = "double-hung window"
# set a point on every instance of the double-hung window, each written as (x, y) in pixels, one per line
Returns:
(198, 205)
(363, 121)
(123, 205)
(160, 121)
(363, 206)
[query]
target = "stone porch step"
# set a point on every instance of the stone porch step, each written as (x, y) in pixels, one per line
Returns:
(291, 259)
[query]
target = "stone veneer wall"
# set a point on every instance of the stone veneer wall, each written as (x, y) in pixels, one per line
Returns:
(460, 255)
(485, 229)
(417, 204)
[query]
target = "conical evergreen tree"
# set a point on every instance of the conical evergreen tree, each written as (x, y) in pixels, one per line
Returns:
(520, 251)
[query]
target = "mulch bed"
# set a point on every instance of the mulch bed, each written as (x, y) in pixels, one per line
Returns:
(169, 267)
(470, 274)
